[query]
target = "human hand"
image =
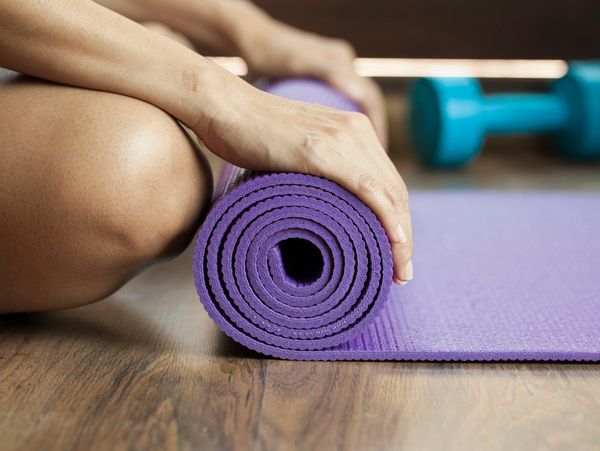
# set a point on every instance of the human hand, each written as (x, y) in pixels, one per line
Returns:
(275, 49)
(259, 131)
(269, 47)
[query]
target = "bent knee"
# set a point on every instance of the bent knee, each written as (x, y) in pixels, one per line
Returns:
(95, 184)
(156, 184)
(136, 172)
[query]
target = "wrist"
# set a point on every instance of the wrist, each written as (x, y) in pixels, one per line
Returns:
(208, 95)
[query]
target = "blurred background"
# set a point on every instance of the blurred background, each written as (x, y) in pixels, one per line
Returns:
(533, 29)
(551, 31)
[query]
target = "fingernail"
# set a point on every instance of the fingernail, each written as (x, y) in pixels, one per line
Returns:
(401, 234)
(399, 282)
(406, 273)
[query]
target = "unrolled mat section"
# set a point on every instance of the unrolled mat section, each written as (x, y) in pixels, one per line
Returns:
(294, 266)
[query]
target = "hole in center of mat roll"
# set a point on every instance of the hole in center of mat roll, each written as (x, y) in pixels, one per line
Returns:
(301, 261)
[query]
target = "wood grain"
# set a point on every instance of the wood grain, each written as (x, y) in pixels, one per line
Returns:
(147, 369)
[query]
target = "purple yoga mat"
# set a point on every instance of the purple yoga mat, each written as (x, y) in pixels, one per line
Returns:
(294, 266)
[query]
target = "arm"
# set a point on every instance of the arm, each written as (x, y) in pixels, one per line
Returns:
(81, 43)
(269, 47)
(211, 25)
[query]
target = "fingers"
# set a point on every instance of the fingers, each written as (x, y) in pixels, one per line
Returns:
(389, 201)
(372, 177)
(331, 60)
(397, 194)
(402, 254)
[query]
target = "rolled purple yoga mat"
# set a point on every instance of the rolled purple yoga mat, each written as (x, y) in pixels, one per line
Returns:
(294, 266)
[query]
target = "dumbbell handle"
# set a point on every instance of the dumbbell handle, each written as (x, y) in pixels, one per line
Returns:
(515, 113)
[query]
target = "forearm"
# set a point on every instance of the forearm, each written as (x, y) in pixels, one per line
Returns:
(81, 43)
(223, 26)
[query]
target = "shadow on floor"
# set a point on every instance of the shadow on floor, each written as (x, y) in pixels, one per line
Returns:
(106, 324)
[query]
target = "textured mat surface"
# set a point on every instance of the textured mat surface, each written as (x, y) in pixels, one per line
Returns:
(293, 266)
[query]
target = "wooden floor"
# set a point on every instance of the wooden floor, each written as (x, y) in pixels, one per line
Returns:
(147, 368)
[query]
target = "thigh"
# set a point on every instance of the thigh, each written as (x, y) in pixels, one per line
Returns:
(93, 186)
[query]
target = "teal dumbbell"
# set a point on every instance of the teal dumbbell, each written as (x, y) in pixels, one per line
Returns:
(450, 117)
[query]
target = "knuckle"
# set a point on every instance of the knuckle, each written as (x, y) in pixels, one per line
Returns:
(346, 119)
(334, 130)
(355, 119)
(403, 251)
(367, 184)
(398, 195)
(343, 48)
(307, 157)
(312, 143)
(317, 148)
(362, 119)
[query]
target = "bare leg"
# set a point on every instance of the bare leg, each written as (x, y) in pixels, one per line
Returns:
(93, 188)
